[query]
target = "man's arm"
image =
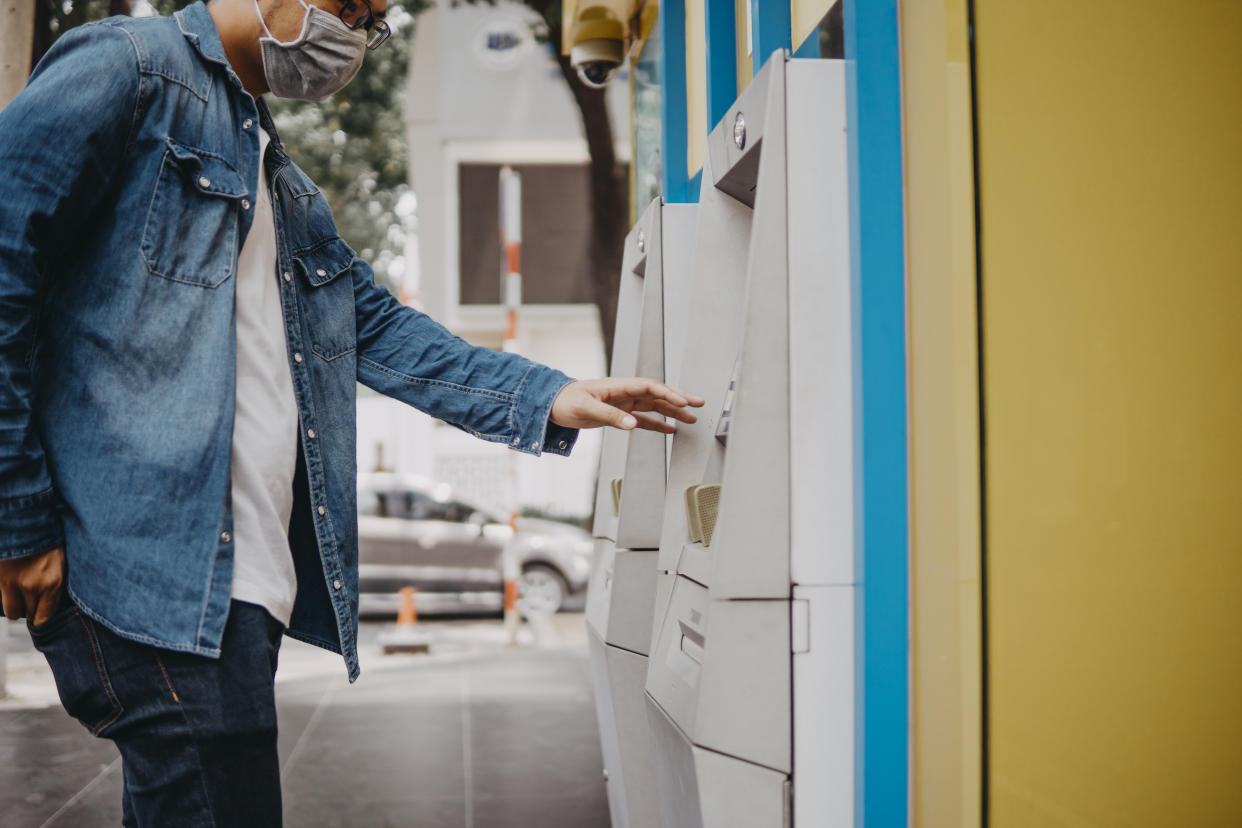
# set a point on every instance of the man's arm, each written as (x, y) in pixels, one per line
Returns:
(407, 355)
(500, 397)
(61, 142)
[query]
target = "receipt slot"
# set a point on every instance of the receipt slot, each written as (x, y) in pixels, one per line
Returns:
(750, 682)
(629, 506)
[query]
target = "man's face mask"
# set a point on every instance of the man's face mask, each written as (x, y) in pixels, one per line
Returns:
(316, 64)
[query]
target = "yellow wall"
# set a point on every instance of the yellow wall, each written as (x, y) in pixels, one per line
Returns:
(1110, 142)
(745, 72)
(944, 434)
(804, 17)
(696, 85)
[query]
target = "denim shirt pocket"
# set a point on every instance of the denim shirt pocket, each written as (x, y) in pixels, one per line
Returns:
(329, 297)
(192, 224)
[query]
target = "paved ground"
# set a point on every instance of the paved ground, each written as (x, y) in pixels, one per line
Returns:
(474, 735)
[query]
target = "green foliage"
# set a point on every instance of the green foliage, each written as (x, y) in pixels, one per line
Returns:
(353, 145)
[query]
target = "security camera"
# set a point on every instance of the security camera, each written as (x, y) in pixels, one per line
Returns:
(597, 60)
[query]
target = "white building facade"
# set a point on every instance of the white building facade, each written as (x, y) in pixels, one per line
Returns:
(484, 93)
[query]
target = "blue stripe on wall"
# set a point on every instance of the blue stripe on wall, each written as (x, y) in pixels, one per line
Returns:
(880, 455)
(770, 24)
(673, 141)
(809, 47)
(721, 25)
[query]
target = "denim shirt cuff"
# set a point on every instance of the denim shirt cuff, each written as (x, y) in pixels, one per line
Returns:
(534, 432)
(29, 525)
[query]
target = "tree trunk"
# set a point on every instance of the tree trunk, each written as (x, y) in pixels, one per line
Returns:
(610, 197)
(610, 188)
(16, 31)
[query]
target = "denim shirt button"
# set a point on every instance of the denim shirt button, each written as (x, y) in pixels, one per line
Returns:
(225, 537)
(534, 444)
(310, 432)
(563, 444)
(297, 357)
(245, 204)
(517, 440)
(336, 584)
(321, 272)
(204, 182)
(247, 124)
(288, 276)
(322, 510)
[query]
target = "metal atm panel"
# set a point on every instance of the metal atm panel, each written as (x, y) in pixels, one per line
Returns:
(606, 718)
(721, 671)
(823, 694)
(642, 501)
(630, 619)
(750, 683)
(700, 788)
(677, 236)
(821, 404)
(622, 598)
(627, 673)
(599, 588)
(713, 326)
(630, 495)
(625, 357)
(795, 368)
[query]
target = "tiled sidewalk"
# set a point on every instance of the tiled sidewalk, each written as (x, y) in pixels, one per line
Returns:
(476, 735)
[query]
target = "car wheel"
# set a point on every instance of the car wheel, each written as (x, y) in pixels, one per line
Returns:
(541, 590)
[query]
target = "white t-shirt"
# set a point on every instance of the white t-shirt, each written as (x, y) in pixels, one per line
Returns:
(265, 426)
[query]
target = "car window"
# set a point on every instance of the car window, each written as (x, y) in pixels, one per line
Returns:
(393, 503)
(449, 510)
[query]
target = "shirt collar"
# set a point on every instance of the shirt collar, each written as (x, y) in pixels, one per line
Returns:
(199, 28)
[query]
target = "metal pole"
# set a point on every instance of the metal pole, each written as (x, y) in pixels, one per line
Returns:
(511, 295)
(16, 39)
(4, 655)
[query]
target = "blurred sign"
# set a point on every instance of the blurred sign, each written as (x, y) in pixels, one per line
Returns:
(503, 42)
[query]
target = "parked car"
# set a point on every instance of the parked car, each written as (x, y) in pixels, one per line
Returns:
(417, 532)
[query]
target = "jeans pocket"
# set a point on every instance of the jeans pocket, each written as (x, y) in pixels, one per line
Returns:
(64, 611)
(71, 647)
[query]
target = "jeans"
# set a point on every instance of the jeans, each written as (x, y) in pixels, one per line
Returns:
(197, 735)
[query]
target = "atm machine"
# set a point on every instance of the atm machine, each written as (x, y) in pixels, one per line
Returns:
(629, 503)
(750, 684)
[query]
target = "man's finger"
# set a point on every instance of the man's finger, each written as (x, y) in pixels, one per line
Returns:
(48, 602)
(640, 387)
(14, 606)
(637, 389)
(652, 424)
(691, 399)
(604, 414)
(676, 412)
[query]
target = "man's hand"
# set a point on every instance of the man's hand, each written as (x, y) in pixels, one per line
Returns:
(616, 402)
(31, 586)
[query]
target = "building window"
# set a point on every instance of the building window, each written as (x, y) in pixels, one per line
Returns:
(556, 233)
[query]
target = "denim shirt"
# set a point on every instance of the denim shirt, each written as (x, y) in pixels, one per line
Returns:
(127, 169)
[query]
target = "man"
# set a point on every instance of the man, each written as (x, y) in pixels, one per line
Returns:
(181, 330)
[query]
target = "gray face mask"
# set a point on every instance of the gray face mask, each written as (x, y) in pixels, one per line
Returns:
(318, 63)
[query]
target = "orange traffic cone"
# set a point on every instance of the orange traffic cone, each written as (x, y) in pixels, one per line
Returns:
(407, 616)
(405, 637)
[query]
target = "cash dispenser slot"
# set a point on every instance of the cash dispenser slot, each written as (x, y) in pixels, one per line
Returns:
(692, 644)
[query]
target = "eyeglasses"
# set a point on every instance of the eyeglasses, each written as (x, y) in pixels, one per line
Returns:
(357, 14)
